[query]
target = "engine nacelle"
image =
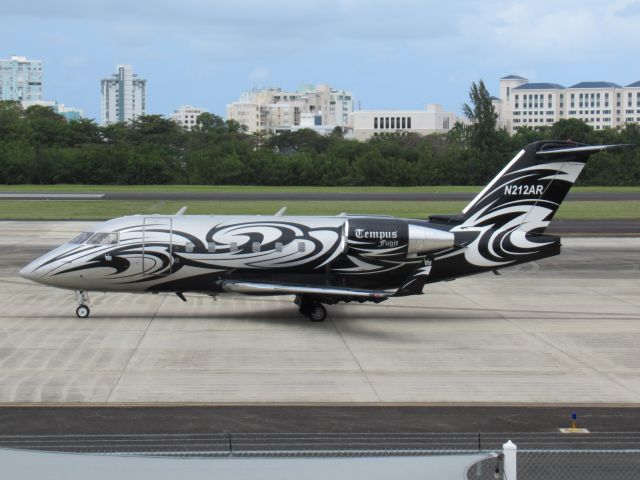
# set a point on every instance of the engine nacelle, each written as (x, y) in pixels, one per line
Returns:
(425, 239)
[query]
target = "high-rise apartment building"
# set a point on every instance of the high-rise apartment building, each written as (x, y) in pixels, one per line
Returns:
(123, 96)
(274, 110)
(600, 104)
(20, 79)
(186, 116)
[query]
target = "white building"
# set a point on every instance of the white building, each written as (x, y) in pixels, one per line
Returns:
(186, 116)
(20, 79)
(123, 96)
(600, 104)
(69, 113)
(368, 123)
(274, 110)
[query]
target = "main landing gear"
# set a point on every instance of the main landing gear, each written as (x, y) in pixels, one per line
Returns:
(311, 309)
(83, 309)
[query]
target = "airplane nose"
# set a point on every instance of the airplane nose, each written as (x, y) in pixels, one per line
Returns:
(28, 272)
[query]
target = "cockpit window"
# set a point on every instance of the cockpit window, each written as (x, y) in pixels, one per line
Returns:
(100, 238)
(82, 238)
(103, 238)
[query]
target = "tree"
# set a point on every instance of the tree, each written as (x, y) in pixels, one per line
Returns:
(571, 129)
(483, 116)
(208, 121)
(10, 120)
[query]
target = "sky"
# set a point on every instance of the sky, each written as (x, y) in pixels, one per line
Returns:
(391, 54)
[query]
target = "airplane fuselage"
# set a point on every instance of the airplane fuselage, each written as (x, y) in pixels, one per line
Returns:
(324, 260)
(197, 253)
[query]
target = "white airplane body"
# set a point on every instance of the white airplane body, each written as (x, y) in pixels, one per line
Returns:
(323, 260)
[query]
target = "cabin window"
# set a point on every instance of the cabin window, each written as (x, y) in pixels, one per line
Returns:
(255, 247)
(301, 246)
(233, 247)
(278, 246)
(211, 247)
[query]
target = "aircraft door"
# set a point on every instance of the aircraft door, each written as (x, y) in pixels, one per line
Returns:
(157, 246)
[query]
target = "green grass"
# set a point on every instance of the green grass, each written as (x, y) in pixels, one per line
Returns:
(243, 188)
(63, 188)
(105, 209)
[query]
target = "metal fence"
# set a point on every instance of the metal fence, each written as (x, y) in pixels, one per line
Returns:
(578, 464)
(561, 465)
(231, 443)
(604, 455)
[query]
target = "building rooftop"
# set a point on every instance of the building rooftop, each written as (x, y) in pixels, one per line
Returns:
(595, 85)
(539, 86)
(513, 77)
(634, 84)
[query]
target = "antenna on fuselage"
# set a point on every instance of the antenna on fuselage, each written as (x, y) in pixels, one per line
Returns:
(281, 212)
(182, 210)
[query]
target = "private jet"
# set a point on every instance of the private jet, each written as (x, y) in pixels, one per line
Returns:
(323, 260)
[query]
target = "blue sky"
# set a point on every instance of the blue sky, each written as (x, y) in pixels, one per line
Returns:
(390, 54)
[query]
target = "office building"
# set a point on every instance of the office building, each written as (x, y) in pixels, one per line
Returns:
(368, 123)
(600, 104)
(274, 110)
(123, 96)
(20, 79)
(186, 116)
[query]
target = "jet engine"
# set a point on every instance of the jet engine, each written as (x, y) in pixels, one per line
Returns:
(426, 239)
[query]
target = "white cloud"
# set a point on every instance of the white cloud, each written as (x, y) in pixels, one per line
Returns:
(567, 30)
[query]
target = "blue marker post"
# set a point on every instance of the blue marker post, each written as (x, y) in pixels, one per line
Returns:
(573, 429)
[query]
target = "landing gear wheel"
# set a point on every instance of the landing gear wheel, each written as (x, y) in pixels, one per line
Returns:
(83, 311)
(311, 309)
(318, 313)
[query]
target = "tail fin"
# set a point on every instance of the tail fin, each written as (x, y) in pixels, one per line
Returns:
(531, 187)
(504, 224)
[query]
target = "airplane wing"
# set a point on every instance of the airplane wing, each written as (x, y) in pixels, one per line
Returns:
(337, 293)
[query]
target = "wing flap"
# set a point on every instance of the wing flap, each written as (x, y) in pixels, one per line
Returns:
(262, 288)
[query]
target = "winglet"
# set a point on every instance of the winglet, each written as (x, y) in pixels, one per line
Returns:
(281, 212)
(182, 210)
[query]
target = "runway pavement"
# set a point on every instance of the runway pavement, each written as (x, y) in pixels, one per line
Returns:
(291, 196)
(564, 330)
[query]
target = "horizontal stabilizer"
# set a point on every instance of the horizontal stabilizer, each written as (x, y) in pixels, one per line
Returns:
(584, 149)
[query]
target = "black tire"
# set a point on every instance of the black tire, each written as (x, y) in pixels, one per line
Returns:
(82, 311)
(318, 313)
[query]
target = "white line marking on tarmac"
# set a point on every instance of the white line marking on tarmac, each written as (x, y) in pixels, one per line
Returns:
(53, 196)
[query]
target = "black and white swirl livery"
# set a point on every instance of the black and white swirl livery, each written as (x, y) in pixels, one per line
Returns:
(505, 222)
(271, 245)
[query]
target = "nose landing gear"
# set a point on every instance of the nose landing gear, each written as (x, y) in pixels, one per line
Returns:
(83, 309)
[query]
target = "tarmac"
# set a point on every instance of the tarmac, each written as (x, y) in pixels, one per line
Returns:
(565, 330)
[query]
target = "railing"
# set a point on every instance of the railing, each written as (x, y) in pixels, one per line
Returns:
(548, 456)
(224, 443)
